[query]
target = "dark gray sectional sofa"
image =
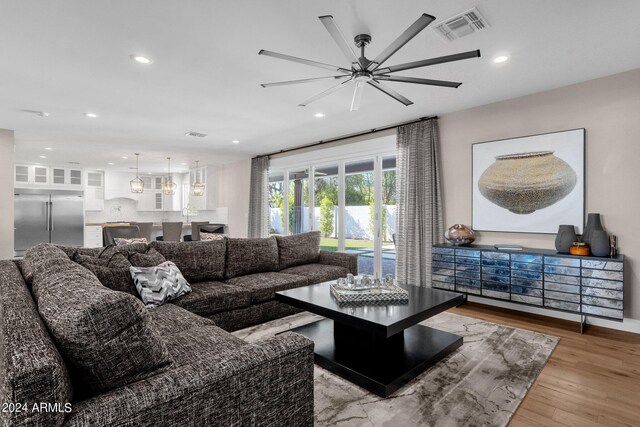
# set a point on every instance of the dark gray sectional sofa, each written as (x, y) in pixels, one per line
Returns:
(79, 348)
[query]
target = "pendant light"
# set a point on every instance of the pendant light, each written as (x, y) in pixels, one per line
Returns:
(168, 186)
(197, 188)
(137, 185)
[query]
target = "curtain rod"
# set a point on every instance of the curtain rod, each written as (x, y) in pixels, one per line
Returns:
(353, 135)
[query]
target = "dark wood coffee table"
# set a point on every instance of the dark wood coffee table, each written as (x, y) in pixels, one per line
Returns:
(378, 347)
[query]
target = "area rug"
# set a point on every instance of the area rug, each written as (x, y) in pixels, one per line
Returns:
(480, 384)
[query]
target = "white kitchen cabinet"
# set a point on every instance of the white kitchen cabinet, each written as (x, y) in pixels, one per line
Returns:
(66, 176)
(93, 236)
(94, 191)
(31, 174)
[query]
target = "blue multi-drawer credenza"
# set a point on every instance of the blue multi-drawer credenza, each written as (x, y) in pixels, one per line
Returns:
(585, 285)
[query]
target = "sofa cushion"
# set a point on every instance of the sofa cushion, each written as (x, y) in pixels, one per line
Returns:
(317, 273)
(169, 319)
(117, 279)
(150, 258)
(248, 256)
(41, 258)
(263, 286)
(200, 343)
(298, 249)
(31, 368)
(207, 298)
(198, 261)
(106, 337)
(160, 284)
(107, 259)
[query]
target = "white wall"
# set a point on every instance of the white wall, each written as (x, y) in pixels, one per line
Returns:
(609, 109)
(6, 193)
(233, 193)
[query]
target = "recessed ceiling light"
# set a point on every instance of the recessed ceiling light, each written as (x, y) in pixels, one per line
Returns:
(43, 157)
(48, 148)
(111, 163)
(319, 115)
(235, 141)
(500, 59)
(141, 59)
(92, 115)
(125, 157)
(38, 163)
(149, 173)
(183, 164)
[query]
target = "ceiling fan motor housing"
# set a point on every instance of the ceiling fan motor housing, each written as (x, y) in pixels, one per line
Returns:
(362, 40)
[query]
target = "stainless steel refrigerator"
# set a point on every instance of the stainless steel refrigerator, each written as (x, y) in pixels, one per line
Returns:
(47, 216)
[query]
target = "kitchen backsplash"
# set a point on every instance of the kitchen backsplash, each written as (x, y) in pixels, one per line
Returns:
(125, 210)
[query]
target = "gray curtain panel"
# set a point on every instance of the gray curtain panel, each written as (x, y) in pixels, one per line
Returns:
(419, 198)
(259, 198)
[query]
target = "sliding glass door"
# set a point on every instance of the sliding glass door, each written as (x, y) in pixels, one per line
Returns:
(351, 202)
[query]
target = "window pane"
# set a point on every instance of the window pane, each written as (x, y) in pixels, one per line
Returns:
(359, 213)
(276, 203)
(388, 215)
(325, 214)
(299, 201)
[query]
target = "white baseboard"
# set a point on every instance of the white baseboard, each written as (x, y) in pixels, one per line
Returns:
(628, 325)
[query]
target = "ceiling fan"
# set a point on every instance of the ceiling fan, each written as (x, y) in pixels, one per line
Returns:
(364, 71)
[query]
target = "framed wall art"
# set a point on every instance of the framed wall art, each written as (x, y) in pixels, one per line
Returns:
(530, 184)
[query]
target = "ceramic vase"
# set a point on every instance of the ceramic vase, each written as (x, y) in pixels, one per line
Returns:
(460, 234)
(599, 243)
(593, 224)
(526, 182)
(565, 238)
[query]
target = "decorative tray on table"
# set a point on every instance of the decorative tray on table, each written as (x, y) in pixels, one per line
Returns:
(369, 295)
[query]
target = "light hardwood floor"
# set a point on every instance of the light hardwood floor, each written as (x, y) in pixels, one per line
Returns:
(590, 380)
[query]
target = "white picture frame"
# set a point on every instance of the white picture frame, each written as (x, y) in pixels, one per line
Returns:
(517, 186)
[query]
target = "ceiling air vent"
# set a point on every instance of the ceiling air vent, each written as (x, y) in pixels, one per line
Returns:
(461, 25)
(196, 134)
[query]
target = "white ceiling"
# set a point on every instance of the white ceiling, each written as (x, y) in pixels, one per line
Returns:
(70, 57)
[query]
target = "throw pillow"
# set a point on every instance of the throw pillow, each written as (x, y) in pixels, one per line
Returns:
(150, 258)
(207, 237)
(298, 249)
(159, 284)
(122, 242)
(198, 261)
(248, 256)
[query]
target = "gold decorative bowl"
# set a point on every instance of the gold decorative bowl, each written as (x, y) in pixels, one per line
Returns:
(526, 182)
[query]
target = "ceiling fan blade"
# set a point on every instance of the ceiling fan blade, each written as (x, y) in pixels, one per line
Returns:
(431, 61)
(326, 92)
(357, 96)
(392, 93)
(293, 82)
(304, 61)
(404, 38)
(338, 37)
(429, 82)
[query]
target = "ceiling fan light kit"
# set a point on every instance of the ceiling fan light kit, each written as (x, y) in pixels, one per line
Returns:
(363, 71)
